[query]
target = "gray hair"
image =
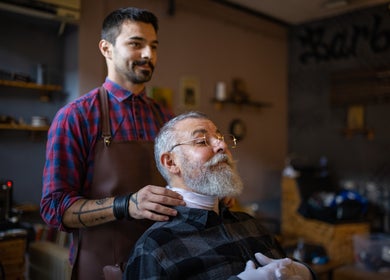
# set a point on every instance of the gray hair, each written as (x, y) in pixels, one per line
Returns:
(167, 135)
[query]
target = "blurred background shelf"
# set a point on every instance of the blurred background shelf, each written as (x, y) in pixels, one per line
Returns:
(29, 85)
(23, 127)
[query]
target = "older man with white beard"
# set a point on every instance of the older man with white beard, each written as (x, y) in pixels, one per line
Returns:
(206, 240)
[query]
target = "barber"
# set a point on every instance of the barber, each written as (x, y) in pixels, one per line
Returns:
(99, 181)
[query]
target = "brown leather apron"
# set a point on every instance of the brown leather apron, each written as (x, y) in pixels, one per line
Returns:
(120, 168)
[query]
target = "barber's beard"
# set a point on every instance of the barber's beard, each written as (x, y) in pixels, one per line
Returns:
(141, 76)
(217, 177)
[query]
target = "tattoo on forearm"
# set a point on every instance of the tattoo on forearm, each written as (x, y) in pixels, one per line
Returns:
(101, 201)
(81, 212)
(133, 198)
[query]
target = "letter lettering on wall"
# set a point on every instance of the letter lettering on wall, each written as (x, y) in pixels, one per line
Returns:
(319, 46)
(380, 39)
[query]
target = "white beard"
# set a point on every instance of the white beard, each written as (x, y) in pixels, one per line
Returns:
(217, 177)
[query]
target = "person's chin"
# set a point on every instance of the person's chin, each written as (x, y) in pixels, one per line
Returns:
(146, 75)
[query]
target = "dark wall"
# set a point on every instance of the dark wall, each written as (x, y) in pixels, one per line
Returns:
(212, 43)
(203, 40)
(356, 41)
(26, 42)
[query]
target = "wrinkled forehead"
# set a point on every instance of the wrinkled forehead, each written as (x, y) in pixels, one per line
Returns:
(195, 128)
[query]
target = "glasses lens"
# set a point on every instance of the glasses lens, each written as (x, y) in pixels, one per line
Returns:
(229, 140)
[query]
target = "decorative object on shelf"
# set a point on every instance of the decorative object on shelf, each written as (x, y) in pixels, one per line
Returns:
(5, 119)
(356, 88)
(39, 121)
(355, 117)
(14, 76)
(38, 124)
(220, 91)
(238, 96)
(238, 129)
(41, 74)
(356, 123)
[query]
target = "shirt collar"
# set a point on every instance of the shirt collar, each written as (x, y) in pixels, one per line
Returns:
(196, 200)
(203, 217)
(121, 93)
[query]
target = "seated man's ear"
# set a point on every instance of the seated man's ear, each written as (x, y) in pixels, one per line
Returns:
(168, 161)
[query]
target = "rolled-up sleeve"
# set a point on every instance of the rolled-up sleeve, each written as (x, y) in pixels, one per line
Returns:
(65, 171)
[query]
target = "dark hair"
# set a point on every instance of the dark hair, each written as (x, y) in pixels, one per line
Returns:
(112, 24)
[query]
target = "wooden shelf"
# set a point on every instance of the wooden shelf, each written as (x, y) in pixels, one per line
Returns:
(256, 104)
(365, 131)
(72, 17)
(27, 85)
(44, 90)
(24, 127)
(360, 86)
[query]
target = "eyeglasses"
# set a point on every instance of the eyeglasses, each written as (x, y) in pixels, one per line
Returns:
(208, 140)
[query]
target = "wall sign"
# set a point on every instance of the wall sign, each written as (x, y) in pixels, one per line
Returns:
(320, 46)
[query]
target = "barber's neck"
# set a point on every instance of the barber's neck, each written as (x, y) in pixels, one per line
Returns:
(197, 200)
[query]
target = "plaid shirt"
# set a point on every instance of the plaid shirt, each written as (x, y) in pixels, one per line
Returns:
(72, 137)
(199, 244)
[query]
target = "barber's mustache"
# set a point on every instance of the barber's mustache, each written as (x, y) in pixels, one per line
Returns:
(218, 158)
(143, 62)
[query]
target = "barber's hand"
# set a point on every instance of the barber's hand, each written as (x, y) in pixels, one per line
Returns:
(153, 203)
(285, 268)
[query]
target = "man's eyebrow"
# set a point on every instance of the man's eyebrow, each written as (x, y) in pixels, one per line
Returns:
(197, 131)
(138, 38)
(204, 131)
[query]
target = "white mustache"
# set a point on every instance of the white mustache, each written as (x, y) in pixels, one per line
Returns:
(218, 158)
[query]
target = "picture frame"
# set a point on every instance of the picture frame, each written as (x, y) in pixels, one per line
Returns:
(355, 117)
(189, 92)
(163, 96)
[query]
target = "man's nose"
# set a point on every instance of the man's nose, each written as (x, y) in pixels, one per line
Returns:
(219, 146)
(147, 53)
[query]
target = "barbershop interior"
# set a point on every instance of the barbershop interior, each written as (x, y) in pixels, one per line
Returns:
(304, 86)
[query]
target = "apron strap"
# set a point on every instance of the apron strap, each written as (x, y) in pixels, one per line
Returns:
(106, 132)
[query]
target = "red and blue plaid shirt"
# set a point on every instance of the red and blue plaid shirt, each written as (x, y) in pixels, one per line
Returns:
(72, 137)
